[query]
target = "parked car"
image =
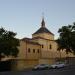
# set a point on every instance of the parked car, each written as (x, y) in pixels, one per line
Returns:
(58, 65)
(41, 67)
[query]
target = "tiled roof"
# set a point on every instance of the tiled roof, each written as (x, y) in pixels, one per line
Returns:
(28, 40)
(41, 38)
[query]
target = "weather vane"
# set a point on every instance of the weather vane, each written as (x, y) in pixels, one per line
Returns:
(42, 15)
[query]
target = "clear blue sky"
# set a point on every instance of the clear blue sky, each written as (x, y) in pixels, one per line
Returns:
(24, 16)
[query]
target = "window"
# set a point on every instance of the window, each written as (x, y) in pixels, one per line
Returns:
(50, 47)
(38, 50)
(42, 46)
(28, 50)
(33, 50)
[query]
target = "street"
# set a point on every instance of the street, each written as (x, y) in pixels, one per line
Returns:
(62, 71)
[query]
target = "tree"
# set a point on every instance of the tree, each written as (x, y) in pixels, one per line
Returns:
(8, 43)
(66, 40)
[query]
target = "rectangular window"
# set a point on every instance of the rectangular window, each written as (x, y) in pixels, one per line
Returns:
(28, 50)
(42, 46)
(38, 50)
(50, 46)
(33, 50)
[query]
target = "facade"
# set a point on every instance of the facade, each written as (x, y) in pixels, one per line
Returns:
(40, 49)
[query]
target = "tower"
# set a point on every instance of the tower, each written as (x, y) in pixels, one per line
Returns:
(43, 32)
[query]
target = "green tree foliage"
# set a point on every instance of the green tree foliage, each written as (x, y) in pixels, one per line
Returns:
(8, 43)
(66, 40)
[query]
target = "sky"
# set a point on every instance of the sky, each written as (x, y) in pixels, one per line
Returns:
(24, 16)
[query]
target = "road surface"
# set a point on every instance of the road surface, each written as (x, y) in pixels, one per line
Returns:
(63, 71)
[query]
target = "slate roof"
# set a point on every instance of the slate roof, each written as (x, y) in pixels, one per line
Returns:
(43, 30)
